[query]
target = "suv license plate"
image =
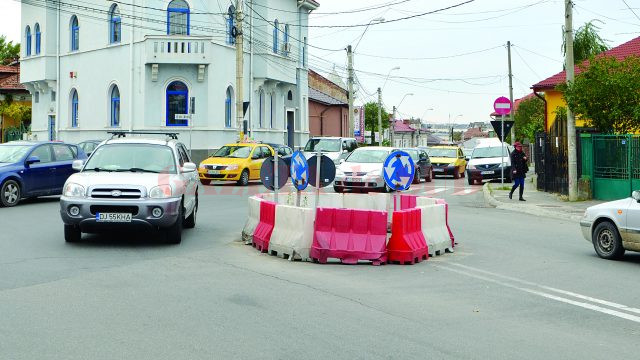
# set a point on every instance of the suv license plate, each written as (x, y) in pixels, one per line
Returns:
(353, 179)
(113, 217)
(438, 170)
(487, 172)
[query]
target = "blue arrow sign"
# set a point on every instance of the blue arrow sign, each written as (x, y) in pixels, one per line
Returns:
(398, 170)
(299, 171)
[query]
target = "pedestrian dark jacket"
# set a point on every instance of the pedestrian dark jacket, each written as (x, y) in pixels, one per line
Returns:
(518, 163)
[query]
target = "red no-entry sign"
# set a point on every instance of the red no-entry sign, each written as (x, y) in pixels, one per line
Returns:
(502, 106)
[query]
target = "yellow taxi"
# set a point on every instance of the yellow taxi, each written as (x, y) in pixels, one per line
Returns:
(238, 162)
(447, 160)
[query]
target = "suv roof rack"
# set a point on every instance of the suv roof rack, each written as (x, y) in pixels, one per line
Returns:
(121, 134)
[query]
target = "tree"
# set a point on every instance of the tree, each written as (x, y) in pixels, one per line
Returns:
(529, 118)
(371, 116)
(20, 112)
(8, 51)
(586, 42)
(607, 94)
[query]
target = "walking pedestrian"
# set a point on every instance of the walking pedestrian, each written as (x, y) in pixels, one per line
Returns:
(519, 169)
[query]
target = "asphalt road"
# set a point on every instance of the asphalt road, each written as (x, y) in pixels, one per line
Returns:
(517, 286)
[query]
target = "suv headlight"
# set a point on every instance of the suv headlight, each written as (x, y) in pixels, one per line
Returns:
(375, 173)
(452, 164)
(471, 167)
(232, 167)
(160, 192)
(73, 190)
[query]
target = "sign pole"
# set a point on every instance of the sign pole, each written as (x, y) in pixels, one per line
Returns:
(502, 155)
(318, 158)
(275, 176)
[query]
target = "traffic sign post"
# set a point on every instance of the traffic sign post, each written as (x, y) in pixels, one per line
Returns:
(268, 174)
(502, 107)
(398, 172)
(322, 172)
(299, 170)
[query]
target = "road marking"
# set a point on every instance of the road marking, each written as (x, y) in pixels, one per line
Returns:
(435, 191)
(465, 192)
(565, 300)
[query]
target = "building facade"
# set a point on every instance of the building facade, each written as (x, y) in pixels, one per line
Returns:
(105, 66)
(12, 95)
(328, 107)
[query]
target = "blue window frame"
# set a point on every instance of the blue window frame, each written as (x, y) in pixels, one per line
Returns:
(285, 40)
(276, 29)
(75, 34)
(27, 35)
(74, 108)
(178, 18)
(261, 113)
(272, 110)
(227, 108)
(115, 107)
(38, 37)
(231, 23)
(115, 25)
(177, 103)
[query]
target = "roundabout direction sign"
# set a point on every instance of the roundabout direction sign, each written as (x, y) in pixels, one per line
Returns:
(299, 171)
(398, 170)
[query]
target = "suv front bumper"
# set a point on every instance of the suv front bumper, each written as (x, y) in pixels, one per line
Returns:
(140, 209)
(477, 174)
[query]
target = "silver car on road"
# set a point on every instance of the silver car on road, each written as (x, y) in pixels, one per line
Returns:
(613, 227)
(132, 184)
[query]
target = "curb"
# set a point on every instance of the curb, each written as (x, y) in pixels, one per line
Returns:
(492, 201)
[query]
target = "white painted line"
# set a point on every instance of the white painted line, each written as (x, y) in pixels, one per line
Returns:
(435, 191)
(551, 296)
(465, 192)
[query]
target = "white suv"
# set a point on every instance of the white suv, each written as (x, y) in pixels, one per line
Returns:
(132, 184)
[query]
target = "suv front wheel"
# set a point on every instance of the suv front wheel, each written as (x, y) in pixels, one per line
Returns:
(174, 232)
(72, 233)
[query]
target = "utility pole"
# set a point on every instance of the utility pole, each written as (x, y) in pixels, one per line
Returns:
(392, 127)
(239, 70)
(513, 128)
(350, 86)
(379, 117)
(571, 122)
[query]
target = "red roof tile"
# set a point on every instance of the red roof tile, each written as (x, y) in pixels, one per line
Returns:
(620, 52)
(11, 82)
(400, 126)
(9, 69)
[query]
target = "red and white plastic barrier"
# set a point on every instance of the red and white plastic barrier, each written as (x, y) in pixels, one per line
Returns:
(434, 228)
(407, 244)
(262, 233)
(253, 218)
(292, 232)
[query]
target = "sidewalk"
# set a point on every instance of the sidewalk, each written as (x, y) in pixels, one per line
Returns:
(538, 203)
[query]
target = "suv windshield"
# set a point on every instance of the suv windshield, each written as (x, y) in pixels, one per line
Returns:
(12, 153)
(489, 152)
(443, 152)
(132, 157)
(238, 152)
(329, 145)
(368, 156)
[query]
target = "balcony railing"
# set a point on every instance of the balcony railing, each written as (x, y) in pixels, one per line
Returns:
(174, 49)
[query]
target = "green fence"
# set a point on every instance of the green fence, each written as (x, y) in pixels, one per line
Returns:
(612, 162)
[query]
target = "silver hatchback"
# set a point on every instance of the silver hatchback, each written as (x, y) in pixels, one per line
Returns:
(132, 184)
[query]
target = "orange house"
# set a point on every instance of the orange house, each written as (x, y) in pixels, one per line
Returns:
(10, 87)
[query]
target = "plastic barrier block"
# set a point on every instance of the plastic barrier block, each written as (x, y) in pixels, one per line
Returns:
(425, 201)
(292, 232)
(407, 201)
(407, 244)
(368, 201)
(262, 234)
(434, 228)
(442, 201)
(349, 235)
(253, 219)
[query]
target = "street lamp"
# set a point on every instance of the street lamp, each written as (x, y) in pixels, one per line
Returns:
(450, 123)
(405, 95)
(393, 123)
(388, 74)
(372, 21)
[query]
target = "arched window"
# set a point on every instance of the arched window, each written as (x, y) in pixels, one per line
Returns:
(285, 40)
(74, 108)
(227, 107)
(36, 29)
(75, 33)
(115, 106)
(27, 36)
(231, 23)
(178, 18)
(261, 112)
(177, 103)
(290, 95)
(115, 25)
(276, 29)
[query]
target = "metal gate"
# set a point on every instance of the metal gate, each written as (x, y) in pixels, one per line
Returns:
(551, 163)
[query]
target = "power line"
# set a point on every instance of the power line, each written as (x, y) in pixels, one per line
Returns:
(541, 55)
(629, 7)
(375, 7)
(526, 63)
(433, 57)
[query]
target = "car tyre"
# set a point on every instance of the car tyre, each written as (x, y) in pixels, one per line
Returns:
(456, 173)
(338, 189)
(173, 234)
(10, 193)
(72, 234)
(416, 177)
(205, 181)
(471, 181)
(462, 174)
(190, 221)
(244, 178)
(430, 177)
(606, 241)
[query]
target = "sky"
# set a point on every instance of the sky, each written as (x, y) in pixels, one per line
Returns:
(454, 62)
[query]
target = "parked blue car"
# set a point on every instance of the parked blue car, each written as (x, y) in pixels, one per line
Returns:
(34, 168)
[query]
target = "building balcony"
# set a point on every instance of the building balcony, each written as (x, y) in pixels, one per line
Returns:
(178, 49)
(37, 68)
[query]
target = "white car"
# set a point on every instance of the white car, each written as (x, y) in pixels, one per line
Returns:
(336, 148)
(132, 184)
(362, 170)
(613, 227)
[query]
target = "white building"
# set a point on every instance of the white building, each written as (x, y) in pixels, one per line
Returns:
(97, 66)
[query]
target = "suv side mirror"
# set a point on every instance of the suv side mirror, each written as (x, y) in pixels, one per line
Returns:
(77, 165)
(344, 151)
(32, 160)
(189, 167)
(636, 195)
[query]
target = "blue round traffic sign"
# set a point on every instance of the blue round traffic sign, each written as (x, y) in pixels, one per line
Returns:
(299, 171)
(398, 170)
